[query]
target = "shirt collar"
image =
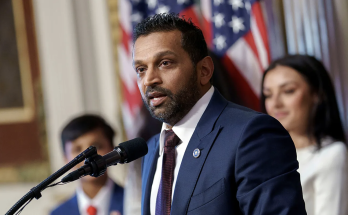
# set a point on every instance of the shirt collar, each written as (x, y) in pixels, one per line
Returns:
(187, 125)
(101, 201)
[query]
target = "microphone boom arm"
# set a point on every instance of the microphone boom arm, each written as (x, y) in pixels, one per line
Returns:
(96, 165)
(36, 191)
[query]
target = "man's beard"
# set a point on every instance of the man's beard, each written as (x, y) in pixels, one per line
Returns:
(180, 103)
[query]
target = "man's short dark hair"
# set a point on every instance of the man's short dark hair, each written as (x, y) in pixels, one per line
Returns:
(192, 39)
(84, 124)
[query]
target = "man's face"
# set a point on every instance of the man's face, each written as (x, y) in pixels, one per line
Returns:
(166, 76)
(95, 138)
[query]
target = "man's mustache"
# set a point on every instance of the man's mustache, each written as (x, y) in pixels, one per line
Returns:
(159, 90)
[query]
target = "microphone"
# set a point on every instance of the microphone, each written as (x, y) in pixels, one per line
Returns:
(96, 165)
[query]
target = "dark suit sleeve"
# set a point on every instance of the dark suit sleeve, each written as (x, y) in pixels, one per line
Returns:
(266, 170)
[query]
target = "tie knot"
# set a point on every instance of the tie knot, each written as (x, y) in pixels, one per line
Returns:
(91, 210)
(170, 138)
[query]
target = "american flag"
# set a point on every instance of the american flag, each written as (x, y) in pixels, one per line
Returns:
(235, 31)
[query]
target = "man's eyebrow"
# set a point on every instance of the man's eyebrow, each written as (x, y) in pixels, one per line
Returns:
(161, 54)
(157, 55)
(137, 62)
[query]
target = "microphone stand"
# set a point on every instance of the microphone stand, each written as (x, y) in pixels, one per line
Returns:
(35, 192)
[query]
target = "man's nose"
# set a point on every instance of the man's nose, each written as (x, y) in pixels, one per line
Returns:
(152, 77)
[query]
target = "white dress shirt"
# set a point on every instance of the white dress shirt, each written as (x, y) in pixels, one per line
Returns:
(101, 201)
(184, 130)
(324, 178)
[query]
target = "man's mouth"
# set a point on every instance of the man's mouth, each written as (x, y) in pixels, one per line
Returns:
(156, 98)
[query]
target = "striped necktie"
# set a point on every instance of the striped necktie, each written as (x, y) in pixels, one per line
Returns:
(164, 196)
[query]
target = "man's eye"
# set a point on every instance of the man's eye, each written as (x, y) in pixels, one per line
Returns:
(140, 70)
(165, 63)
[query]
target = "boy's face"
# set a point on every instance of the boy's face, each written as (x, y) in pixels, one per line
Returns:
(93, 138)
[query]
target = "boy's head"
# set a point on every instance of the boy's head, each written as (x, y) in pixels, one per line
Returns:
(85, 131)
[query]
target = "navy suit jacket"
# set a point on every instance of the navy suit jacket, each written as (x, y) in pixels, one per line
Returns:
(70, 206)
(247, 165)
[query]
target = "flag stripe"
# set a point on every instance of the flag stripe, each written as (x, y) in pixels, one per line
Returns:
(125, 11)
(127, 72)
(250, 39)
(261, 49)
(250, 99)
(207, 27)
(133, 99)
(258, 17)
(190, 12)
(125, 38)
(238, 53)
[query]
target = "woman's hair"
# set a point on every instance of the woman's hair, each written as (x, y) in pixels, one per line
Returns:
(325, 119)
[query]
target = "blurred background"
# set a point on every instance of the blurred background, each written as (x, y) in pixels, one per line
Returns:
(60, 59)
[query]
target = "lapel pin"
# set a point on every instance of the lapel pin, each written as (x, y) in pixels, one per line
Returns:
(196, 153)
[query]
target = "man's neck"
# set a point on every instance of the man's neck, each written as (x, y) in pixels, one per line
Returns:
(203, 91)
(91, 188)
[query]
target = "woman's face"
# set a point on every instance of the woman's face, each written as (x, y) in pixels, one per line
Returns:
(288, 98)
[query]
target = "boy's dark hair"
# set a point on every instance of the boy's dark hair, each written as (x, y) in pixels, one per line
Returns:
(192, 39)
(325, 119)
(83, 124)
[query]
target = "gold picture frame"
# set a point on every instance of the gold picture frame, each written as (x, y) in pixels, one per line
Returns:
(27, 111)
(22, 124)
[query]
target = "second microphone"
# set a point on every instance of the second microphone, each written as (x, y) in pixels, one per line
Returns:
(96, 165)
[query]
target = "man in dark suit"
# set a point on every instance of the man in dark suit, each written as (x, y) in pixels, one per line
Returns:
(212, 156)
(94, 196)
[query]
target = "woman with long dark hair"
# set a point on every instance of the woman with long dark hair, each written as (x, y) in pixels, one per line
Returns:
(297, 91)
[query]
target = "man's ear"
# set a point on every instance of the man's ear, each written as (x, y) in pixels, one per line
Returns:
(206, 69)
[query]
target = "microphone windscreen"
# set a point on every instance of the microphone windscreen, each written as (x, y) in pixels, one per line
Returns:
(134, 148)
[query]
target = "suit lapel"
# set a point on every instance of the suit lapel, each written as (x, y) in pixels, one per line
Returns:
(73, 208)
(203, 139)
(116, 202)
(148, 175)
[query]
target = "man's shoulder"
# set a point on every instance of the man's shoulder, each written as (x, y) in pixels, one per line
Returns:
(240, 109)
(69, 206)
(231, 113)
(237, 114)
